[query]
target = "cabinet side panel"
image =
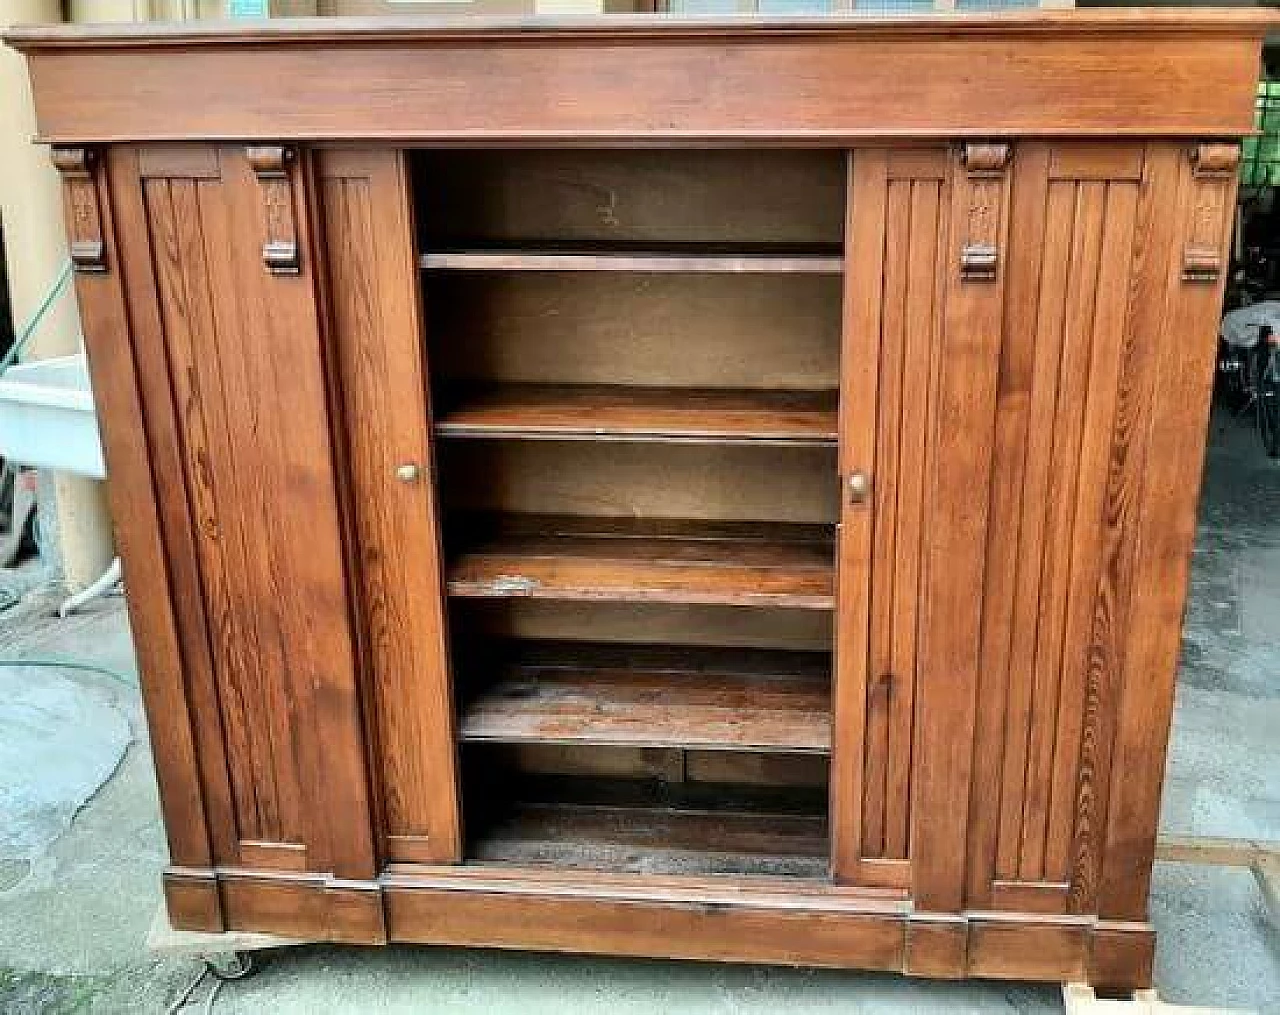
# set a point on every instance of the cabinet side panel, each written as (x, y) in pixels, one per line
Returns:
(177, 520)
(377, 336)
(1082, 776)
(1165, 521)
(135, 498)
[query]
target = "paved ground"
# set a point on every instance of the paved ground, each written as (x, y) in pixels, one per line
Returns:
(73, 916)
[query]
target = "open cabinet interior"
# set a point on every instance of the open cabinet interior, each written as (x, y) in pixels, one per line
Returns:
(634, 364)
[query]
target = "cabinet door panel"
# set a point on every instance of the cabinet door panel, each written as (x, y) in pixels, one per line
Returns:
(898, 209)
(379, 352)
(994, 605)
(235, 405)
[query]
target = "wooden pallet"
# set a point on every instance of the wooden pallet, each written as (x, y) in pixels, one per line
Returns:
(1261, 857)
(162, 939)
(1080, 999)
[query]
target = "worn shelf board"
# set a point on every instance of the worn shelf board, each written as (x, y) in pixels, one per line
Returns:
(655, 840)
(609, 412)
(629, 560)
(696, 698)
(693, 260)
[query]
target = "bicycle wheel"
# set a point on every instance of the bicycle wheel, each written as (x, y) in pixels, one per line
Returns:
(1268, 404)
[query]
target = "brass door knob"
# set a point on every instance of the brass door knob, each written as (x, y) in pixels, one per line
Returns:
(408, 472)
(859, 487)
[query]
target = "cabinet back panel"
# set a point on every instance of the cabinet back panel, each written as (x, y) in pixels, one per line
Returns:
(739, 331)
(650, 623)
(641, 480)
(654, 814)
(663, 764)
(636, 197)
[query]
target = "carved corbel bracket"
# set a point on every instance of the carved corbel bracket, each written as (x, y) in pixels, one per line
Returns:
(270, 164)
(1213, 171)
(83, 211)
(1201, 264)
(985, 164)
(985, 160)
(1215, 160)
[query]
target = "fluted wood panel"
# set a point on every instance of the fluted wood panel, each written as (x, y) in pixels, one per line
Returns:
(908, 350)
(245, 406)
(376, 332)
(1073, 408)
(229, 500)
(896, 245)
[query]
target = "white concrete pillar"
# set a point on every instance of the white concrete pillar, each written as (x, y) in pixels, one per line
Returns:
(31, 210)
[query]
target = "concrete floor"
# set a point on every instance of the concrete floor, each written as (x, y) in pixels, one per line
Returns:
(74, 917)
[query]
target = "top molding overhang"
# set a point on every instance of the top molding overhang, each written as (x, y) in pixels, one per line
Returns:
(652, 79)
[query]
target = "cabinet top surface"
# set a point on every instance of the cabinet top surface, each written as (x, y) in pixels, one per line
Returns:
(819, 81)
(286, 31)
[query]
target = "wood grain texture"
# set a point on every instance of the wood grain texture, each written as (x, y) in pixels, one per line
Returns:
(959, 472)
(190, 772)
(938, 948)
(611, 560)
(1100, 525)
(863, 288)
(746, 263)
(161, 426)
(632, 479)
(828, 80)
(376, 330)
(193, 903)
(974, 554)
(1103, 648)
(615, 412)
(1165, 526)
(676, 929)
(255, 714)
(727, 700)
(1121, 954)
(1072, 383)
(1028, 950)
(757, 332)
(82, 206)
(655, 841)
(648, 623)
(1018, 351)
(278, 629)
(914, 247)
(758, 919)
(633, 199)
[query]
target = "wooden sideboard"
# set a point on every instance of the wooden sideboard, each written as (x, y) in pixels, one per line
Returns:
(705, 489)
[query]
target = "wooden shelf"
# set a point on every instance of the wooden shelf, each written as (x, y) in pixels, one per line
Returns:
(660, 415)
(657, 697)
(625, 560)
(826, 261)
(655, 840)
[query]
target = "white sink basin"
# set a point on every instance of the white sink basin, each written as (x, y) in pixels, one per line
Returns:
(47, 417)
